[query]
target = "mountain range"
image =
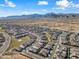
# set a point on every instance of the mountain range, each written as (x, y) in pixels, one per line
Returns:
(40, 16)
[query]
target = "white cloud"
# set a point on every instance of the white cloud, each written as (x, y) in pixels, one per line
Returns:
(67, 4)
(44, 10)
(8, 4)
(63, 3)
(58, 8)
(75, 5)
(42, 2)
(26, 12)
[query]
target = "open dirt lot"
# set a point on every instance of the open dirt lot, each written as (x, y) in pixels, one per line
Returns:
(14, 56)
(68, 25)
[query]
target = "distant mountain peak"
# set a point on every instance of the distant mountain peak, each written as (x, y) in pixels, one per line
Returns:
(36, 16)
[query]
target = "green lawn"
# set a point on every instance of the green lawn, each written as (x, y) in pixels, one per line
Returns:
(15, 43)
(2, 30)
(48, 36)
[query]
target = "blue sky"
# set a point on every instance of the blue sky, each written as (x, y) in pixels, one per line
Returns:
(20, 7)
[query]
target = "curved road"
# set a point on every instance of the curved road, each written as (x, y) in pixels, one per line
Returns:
(6, 43)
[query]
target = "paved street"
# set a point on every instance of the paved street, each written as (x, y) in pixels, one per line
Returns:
(6, 43)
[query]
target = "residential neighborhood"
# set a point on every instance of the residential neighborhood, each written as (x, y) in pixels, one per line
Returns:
(43, 42)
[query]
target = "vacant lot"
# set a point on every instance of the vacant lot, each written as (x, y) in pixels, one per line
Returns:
(15, 56)
(69, 25)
